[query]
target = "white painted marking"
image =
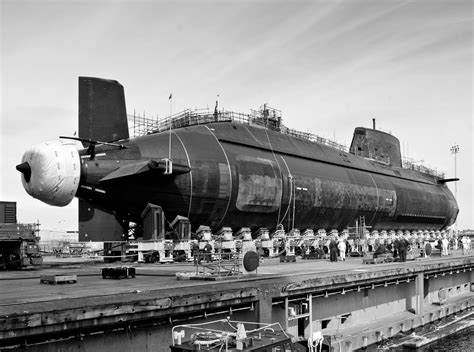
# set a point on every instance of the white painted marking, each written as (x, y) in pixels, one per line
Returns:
(190, 176)
(230, 173)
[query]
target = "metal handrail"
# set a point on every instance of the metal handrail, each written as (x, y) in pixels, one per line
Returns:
(268, 118)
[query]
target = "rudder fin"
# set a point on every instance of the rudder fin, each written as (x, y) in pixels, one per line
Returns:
(102, 111)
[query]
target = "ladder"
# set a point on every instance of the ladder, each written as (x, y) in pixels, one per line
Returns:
(361, 227)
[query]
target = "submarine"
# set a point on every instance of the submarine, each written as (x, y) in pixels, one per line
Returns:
(221, 169)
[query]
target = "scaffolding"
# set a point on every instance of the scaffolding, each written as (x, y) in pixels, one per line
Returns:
(358, 231)
(140, 125)
(411, 164)
(265, 116)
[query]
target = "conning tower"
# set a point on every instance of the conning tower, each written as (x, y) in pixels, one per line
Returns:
(376, 145)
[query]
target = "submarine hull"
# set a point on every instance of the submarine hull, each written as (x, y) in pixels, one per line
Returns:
(248, 176)
(219, 171)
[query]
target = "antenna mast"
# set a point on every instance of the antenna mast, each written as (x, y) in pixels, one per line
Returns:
(168, 162)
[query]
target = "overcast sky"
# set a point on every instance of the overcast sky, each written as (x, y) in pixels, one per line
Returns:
(330, 66)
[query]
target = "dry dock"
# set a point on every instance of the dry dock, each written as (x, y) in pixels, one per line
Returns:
(352, 304)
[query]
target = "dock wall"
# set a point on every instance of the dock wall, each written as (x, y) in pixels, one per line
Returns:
(351, 309)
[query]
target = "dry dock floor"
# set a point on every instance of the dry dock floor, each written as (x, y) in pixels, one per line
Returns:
(22, 290)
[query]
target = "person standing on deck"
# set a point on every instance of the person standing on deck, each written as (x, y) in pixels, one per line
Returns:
(444, 246)
(454, 242)
(342, 249)
(464, 245)
(195, 251)
(427, 251)
(402, 248)
(333, 249)
(396, 247)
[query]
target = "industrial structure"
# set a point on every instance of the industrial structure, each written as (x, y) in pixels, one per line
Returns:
(18, 242)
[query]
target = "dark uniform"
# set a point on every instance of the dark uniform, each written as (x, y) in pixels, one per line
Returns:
(196, 253)
(396, 245)
(333, 250)
(402, 248)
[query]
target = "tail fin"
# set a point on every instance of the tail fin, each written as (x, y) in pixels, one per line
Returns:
(102, 112)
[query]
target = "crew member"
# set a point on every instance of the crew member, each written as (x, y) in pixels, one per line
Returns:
(396, 245)
(444, 246)
(402, 248)
(427, 249)
(342, 249)
(464, 245)
(195, 251)
(333, 250)
(319, 253)
(282, 248)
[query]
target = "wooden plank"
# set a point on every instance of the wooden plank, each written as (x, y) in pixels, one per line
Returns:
(58, 279)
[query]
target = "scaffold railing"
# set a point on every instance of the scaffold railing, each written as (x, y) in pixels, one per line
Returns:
(139, 125)
(411, 164)
(265, 117)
